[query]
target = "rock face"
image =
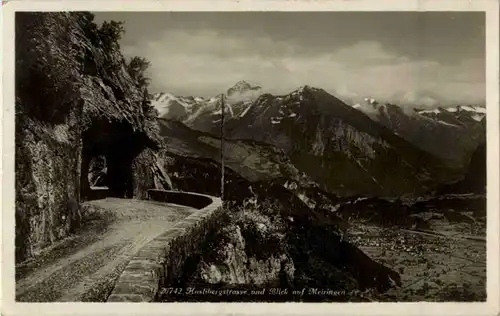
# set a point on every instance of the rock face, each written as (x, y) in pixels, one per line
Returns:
(47, 185)
(74, 101)
(239, 267)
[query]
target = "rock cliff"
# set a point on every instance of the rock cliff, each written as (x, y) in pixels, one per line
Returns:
(75, 101)
(274, 239)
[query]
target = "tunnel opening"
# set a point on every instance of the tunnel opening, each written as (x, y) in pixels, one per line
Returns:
(98, 170)
(109, 149)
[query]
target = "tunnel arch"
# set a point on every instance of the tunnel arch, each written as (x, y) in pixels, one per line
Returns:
(118, 144)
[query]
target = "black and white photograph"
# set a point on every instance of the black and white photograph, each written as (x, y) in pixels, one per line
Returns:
(251, 156)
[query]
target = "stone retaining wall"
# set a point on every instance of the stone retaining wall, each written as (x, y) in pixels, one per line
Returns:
(195, 200)
(161, 261)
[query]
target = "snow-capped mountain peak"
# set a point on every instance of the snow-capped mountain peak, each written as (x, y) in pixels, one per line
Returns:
(435, 111)
(242, 87)
(162, 96)
(171, 106)
(369, 105)
(467, 108)
(205, 111)
(447, 132)
(242, 91)
(371, 101)
(305, 88)
(461, 112)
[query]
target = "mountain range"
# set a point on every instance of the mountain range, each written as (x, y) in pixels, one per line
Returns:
(451, 133)
(201, 113)
(367, 149)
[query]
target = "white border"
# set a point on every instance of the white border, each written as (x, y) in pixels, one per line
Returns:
(491, 307)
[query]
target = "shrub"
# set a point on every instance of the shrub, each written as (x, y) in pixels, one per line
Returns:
(262, 227)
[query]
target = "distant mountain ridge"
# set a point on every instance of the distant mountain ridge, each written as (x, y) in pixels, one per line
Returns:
(449, 133)
(457, 115)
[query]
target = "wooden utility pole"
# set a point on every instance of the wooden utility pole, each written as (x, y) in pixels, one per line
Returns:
(222, 148)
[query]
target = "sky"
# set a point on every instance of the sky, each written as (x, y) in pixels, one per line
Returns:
(419, 58)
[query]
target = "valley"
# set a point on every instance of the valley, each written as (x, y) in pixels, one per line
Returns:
(440, 256)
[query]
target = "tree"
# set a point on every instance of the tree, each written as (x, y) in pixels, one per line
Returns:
(111, 32)
(136, 68)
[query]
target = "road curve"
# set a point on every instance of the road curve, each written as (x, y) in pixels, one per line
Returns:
(85, 266)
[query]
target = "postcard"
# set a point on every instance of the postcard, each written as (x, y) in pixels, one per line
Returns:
(250, 157)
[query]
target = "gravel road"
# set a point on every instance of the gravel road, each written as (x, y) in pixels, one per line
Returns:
(85, 266)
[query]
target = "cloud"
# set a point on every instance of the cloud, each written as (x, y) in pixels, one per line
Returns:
(206, 63)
